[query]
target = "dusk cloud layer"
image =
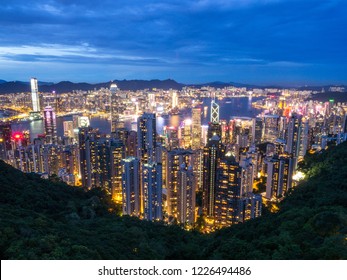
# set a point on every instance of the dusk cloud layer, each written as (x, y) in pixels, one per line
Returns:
(254, 41)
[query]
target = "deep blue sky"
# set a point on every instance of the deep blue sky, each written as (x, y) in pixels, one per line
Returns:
(284, 42)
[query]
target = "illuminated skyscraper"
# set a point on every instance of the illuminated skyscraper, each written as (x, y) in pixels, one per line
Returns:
(35, 95)
(117, 154)
(186, 134)
(227, 192)
(176, 160)
(214, 129)
(50, 125)
(174, 102)
(114, 109)
(171, 137)
(196, 128)
(151, 102)
(214, 112)
(146, 137)
(293, 136)
(279, 176)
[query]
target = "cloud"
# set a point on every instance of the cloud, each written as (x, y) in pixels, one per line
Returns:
(199, 35)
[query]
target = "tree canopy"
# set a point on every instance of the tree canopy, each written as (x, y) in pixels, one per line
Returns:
(41, 219)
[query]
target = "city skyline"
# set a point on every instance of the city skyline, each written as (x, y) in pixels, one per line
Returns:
(259, 42)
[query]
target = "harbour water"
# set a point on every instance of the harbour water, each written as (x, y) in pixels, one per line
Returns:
(229, 107)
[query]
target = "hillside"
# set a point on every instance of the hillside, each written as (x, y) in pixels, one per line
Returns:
(40, 219)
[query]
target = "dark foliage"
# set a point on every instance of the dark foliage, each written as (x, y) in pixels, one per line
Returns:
(40, 219)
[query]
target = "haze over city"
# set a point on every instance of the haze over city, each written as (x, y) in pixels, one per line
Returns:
(255, 41)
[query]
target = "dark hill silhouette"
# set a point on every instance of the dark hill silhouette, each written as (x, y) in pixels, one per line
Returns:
(67, 86)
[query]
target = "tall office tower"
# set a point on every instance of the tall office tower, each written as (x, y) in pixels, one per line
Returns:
(146, 137)
(279, 176)
(5, 140)
(151, 102)
(114, 108)
(258, 130)
(174, 99)
(227, 192)
(171, 137)
(270, 128)
(152, 191)
(68, 129)
(186, 134)
(50, 125)
(214, 129)
(213, 153)
(204, 134)
(186, 196)
(214, 112)
(117, 154)
(131, 144)
(131, 194)
(175, 160)
(35, 95)
(196, 128)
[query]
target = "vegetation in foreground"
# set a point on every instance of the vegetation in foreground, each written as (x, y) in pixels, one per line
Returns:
(41, 219)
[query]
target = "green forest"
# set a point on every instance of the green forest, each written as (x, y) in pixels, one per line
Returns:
(46, 219)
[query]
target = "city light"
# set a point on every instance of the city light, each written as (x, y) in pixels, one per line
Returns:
(299, 176)
(17, 136)
(181, 149)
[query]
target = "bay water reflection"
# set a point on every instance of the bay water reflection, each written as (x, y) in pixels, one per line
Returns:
(229, 107)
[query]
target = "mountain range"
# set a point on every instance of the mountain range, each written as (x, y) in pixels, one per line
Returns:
(67, 86)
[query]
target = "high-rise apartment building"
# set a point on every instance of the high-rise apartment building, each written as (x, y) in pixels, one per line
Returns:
(176, 160)
(227, 192)
(186, 195)
(131, 192)
(151, 180)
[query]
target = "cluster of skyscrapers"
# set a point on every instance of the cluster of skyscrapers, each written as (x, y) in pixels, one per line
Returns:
(189, 172)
